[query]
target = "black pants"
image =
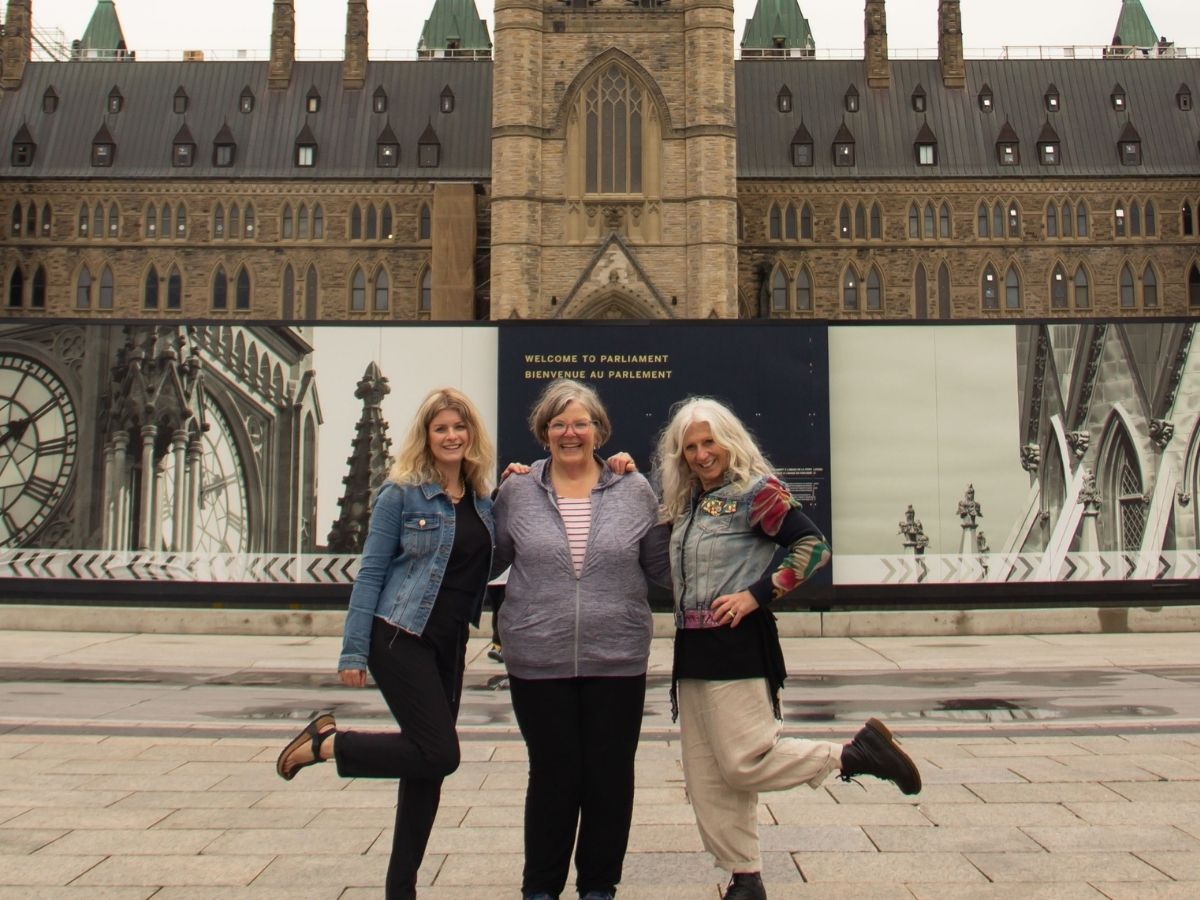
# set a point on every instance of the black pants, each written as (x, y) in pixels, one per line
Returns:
(582, 736)
(421, 680)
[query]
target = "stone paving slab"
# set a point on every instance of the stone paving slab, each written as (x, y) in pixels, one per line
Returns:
(1188, 890)
(1064, 867)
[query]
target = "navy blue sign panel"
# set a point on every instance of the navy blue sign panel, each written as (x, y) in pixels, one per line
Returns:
(775, 377)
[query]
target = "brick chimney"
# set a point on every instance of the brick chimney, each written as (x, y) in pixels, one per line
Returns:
(17, 43)
(354, 67)
(879, 74)
(950, 44)
(283, 45)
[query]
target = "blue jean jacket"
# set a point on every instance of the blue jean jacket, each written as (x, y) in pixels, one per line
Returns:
(403, 561)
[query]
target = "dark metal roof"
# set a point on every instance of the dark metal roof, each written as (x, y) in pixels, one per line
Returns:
(345, 129)
(1086, 124)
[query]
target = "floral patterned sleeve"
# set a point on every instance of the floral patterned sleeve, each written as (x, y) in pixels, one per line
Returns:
(776, 514)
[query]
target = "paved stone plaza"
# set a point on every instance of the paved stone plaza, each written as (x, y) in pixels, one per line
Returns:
(123, 800)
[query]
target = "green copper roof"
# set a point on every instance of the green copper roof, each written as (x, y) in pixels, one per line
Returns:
(457, 22)
(777, 24)
(1133, 26)
(103, 34)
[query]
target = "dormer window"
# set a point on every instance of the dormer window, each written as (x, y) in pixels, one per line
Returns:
(379, 100)
(446, 103)
(246, 100)
(918, 99)
(1052, 99)
(1049, 147)
(387, 149)
(843, 147)
(224, 148)
(783, 100)
(1129, 146)
(183, 152)
(802, 147)
(104, 149)
(851, 99)
(926, 146)
(180, 101)
(50, 101)
(1008, 147)
(987, 102)
(1183, 98)
(306, 148)
(115, 101)
(23, 148)
(1118, 99)
(312, 101)
(429, 149)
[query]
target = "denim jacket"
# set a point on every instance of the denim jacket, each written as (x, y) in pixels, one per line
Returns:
(714, 548)
(403, 560)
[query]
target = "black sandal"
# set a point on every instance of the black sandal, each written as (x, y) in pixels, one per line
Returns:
(316, 731)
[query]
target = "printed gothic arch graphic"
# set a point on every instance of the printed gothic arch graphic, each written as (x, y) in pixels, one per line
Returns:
(613, 286)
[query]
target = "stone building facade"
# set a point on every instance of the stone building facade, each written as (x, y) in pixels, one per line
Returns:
(614, 159)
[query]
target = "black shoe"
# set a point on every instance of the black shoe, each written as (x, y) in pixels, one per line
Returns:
(495, 653)
(874, 752)
(745, 886)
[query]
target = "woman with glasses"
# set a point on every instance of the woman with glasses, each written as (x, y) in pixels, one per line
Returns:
(582, 542)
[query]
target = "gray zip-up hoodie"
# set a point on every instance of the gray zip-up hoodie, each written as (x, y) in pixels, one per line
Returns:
(555, 624)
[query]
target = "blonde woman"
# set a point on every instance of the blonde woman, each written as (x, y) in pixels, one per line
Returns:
(731, 517)
(421, 580)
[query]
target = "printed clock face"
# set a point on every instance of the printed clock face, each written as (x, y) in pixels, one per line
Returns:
(221, 518)
(38, 431)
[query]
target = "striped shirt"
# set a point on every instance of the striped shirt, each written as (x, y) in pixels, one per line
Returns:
(577, 519)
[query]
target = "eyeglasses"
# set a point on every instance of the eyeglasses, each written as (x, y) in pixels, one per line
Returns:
(583, 426)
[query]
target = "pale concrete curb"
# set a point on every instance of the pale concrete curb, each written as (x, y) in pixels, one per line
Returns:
(900, 623)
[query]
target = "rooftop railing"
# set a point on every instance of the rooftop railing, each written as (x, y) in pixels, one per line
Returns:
(1008, 51)
(255, 55)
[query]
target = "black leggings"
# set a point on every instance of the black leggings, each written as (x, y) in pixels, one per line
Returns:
(421, 680)
(582, 736)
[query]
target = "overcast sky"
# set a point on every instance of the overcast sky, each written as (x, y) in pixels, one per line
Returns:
(151, 25)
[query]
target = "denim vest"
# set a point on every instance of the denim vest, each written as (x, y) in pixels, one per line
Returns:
(715, 550)
(403, 561)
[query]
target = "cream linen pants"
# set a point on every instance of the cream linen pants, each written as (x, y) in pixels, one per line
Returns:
(731, 751)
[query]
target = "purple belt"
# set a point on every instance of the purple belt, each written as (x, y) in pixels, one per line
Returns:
(701, 618)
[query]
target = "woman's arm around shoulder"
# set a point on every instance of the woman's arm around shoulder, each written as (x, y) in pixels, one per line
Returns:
(654, 547)
(379, 549)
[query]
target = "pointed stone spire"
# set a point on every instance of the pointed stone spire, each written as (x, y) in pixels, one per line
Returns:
(283, 45)
(103, 37)
(367, 464)
(17, 43)
(354, 68)
(950, 44)
(453, 25)
(879, 74)
(777, 25)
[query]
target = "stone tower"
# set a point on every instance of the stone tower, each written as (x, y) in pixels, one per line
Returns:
(283, 44)
(614, 160)
(875, 45)
(354, 69)
(16, 44)
(950, 44)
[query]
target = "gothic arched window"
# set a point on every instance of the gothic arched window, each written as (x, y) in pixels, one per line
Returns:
(242, 297)
(382, 292)
(613, 105)
(83, 289)
(358, 291)
(150, 290)
(804, 289)
(779, 291)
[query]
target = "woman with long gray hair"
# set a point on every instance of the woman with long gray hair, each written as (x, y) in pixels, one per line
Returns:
(731, 517)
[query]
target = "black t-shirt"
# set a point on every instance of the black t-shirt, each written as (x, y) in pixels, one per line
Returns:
(467, 567)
